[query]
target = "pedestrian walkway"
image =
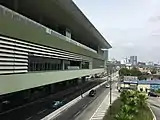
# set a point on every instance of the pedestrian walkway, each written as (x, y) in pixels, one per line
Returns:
(101, 110)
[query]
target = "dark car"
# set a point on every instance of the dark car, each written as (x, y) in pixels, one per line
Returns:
(57, 104)
(152, 94)
(92, 93)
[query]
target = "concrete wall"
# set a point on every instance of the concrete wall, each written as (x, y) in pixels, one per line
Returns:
(17, 82)
(14, 27)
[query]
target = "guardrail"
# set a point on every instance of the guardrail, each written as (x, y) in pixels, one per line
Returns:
(65, 107)
(19, 17)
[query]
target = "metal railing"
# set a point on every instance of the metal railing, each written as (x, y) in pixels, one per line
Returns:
(19, 17)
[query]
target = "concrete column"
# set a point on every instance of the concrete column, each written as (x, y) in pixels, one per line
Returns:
(16, 4)
(63, 66)
(68, 33)
(81, 65)
(52, 88)
(79, 80)
(83, 79)
(0, 107)
(40, 19)
(90, 65)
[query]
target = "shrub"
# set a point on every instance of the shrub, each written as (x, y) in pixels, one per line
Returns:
(132, 102)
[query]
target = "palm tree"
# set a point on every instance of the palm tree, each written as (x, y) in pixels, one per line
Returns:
(142, 100)
(124, 114)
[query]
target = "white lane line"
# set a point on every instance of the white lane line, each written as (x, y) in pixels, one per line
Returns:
(84, 106)
(41, 111)
(77, 113)
(28, 118)
(99, 107)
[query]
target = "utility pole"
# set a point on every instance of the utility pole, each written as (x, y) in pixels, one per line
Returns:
(110, 90)
(110, 81)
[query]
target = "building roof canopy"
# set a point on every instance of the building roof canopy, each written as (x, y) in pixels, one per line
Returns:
(61, 13)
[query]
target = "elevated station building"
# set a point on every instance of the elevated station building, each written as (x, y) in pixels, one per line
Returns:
(43, 42)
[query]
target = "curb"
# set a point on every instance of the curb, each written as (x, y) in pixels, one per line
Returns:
(154, 117)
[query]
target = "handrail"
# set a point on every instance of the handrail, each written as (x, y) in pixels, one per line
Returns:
(20, 17)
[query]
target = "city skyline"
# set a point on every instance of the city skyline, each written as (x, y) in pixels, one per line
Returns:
(132, 27)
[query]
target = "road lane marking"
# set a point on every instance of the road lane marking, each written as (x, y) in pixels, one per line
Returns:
(99, 106)
(77, 114)
(85, 106)
(41, 111)
(28, 118)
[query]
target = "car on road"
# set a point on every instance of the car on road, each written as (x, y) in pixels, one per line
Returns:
(89, 77)
(152, 94)
(107, 86)
(92, 93)
(57, 104)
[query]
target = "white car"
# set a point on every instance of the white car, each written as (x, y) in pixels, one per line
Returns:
(88, 77)
(107, 86)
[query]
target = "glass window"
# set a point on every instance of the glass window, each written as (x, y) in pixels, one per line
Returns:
(43, 63)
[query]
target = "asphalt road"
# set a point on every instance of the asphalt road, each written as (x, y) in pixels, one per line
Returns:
(155, 106)
(92, 109)
(41, 108)
(73, 112)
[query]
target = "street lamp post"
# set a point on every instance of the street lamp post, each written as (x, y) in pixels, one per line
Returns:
(108, 65)
(109, 69)
(110, 90)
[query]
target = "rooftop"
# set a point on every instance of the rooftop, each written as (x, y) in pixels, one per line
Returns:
(155, 82)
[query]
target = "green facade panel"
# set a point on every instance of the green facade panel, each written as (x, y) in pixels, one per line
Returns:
(18, 82)
(10, 26)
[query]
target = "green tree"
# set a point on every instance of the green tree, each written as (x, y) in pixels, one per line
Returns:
(123, 115)
(132, 102)
(124, 72)
(153, 71)
(142, 77)
(142, 100)
(135, 72)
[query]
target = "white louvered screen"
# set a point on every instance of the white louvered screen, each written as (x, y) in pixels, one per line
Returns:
(14, 55)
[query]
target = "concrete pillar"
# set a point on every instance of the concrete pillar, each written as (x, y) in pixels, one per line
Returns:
(81, 65)
(83, 79)
(0, 107)
(63, 65)
(40, 19)
(90, 65)
(16, 5)
(52, 88)
(79, 80)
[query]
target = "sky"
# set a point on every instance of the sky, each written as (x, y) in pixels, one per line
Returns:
(132, 27)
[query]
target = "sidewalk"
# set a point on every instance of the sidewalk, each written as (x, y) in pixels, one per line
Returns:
(102, 109)
(93, 106)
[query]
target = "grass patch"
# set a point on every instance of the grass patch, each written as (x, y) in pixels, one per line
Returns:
(143, 114)
(112, 111)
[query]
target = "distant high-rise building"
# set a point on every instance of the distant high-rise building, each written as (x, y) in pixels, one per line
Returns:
(141, 63)
(150, 63)
(133, 60)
